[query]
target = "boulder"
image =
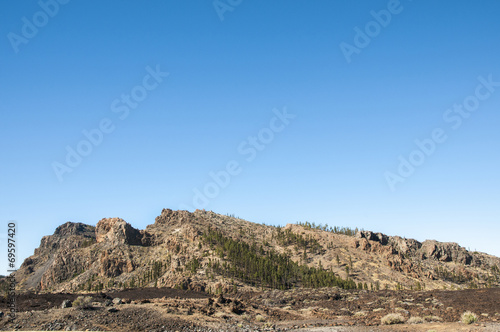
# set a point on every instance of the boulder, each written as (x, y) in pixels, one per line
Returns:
(66, 304)
(117, 301)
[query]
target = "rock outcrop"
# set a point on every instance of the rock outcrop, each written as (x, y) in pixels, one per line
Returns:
(446, 252)
(69, 235)
(171, 217)
(430, 249)
(371, 236)
(116, 231)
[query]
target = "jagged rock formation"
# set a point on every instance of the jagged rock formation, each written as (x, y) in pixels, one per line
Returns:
(448, 252)
(116, 231)
(371, 236)
(172, 252)
(430, 249)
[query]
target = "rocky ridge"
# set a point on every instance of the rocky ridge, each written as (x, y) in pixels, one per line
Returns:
(114, 255)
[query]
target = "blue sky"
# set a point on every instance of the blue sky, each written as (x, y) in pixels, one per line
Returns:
(67, 68)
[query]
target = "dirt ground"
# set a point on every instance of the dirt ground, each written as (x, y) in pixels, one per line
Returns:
(30, 301)
(438, 327)
(327, 309)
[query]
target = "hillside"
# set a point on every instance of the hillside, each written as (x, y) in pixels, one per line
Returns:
(204, 271)
(209, 252)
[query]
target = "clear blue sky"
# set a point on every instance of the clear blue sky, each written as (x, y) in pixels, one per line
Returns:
(353, 119)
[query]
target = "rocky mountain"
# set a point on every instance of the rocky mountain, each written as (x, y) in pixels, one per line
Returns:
(205, 251)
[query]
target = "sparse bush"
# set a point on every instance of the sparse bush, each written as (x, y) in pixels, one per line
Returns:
(83, 302)
(433, 318)
(390, 319)
(259, 318)
(469, 317)
(415, 320)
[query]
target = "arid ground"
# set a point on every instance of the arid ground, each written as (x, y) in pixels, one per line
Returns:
(326, 309)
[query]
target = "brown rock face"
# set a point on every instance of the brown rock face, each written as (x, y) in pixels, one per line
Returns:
(446, 252)
(114, 265)
(430, 249)
(363, 244)
(116, 231)
(405, 246)
(54, 260)
(371, 236)
(71, 228)
(174, 217)
(69, 236)
(404, 255)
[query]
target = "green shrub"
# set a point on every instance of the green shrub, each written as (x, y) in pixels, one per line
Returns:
(469, 317)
